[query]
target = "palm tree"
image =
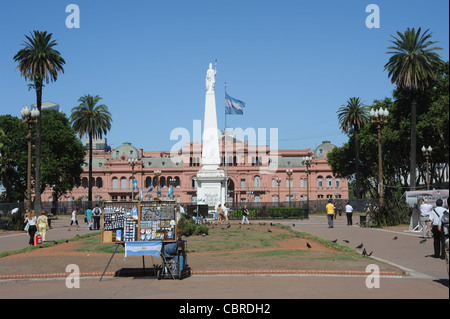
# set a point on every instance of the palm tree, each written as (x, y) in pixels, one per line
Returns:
(92, 120)
(39, 62)
(352, 117)
(413, 59)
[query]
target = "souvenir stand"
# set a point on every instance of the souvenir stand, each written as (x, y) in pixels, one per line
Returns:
(146, 228)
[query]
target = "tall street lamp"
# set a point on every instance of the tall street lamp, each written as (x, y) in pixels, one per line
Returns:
(379, 117)
(158, 190)
(307, 162)
(278, 180)
(29, 117)
(132, 162)
(427, 153)
(289, 174)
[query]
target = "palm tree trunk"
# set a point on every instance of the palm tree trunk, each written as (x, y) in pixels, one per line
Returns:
(37, 180)
(412, 163)
(90, 170)
(357, 184)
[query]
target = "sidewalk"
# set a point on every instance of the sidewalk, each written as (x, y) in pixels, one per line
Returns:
(426, 277)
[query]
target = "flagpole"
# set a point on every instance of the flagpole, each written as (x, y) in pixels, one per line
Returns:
(225, 142)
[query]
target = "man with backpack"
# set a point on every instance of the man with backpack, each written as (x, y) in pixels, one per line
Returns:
(435, 223)
(97, 213)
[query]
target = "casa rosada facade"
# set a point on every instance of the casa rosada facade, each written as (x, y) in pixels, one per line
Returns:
(255, 174)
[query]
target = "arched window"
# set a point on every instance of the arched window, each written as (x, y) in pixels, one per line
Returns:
(99, 182)
(123, 183)
(329, 182)
(148, 182)
(85, 182)
(319, 181)
(115, 183)
(257, 181)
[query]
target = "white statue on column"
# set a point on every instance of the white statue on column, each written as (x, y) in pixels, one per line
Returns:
(210, 79)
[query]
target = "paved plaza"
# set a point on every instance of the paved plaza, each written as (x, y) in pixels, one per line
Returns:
(425, 277)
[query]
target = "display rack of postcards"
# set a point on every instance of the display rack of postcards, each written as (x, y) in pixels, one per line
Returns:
(139, 221)
(120, 222)
(157, 221)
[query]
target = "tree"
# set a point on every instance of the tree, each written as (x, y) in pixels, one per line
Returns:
(352, 117)
(62, 154)
(93, 121)
(411, 67)
(39, 62)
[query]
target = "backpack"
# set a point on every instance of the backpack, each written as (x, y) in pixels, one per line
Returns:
(445, 219)
(97, 211)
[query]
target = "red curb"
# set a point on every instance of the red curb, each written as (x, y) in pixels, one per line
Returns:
(220, 272)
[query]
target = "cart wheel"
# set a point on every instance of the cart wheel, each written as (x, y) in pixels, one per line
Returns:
(158, 274)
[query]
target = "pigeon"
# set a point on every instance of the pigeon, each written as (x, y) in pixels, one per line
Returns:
(293, 225)
(423, 241)
(228, 226)
(203, 234)
(334, 241)
(346, 241)
(268, 229)
(370, 254)
(395, 238)
(359, 246)
(364, 252)
(308, 245)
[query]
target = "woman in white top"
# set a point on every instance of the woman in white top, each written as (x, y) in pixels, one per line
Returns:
(74, 218)
(30, 219)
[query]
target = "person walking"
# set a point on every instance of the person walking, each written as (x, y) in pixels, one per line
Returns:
(435, 223)
(444, 228)
(42, 224)
(349, 213)
(74, 218)
(425, 209)
(219, 213)
(330, 213)
(245, 215)
(88, 214)
(30, 219)
(225, 211)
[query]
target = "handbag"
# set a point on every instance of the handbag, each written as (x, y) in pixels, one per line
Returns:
(27, 226)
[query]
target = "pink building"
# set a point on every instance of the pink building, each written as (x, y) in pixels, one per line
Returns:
(256, 174)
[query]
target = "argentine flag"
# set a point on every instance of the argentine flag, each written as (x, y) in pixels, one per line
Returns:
(170, 192)
(150, 189)
(233, 106)
(143, 248)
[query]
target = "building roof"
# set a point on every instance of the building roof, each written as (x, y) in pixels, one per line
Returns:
(323, 149)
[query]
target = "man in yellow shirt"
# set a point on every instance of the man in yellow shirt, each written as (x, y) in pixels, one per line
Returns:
(330, 213)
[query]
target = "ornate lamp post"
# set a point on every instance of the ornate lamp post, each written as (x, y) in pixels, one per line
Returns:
(157, 174)
(132, 162)
(307, 163)
(289, 174)
(278, 180)
(30, 118)
(379, 117)
(427, 153)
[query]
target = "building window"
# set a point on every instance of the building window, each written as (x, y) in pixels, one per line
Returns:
(329, 182)
(337, 182)
(243, 183)
(257, 181)
(84, 182)
(115, 183)
(99, 182)
(319, 196)
(320, 182)
(123, 183)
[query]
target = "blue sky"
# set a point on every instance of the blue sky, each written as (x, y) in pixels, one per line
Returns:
(293, 62)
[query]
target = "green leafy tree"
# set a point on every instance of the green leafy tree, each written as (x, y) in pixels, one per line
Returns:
(352, 117)
(39, 62)
(92, 120)
(62, 154)
(412, 68)
(13, 158)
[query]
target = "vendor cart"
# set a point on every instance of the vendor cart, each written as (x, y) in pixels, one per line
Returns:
(174, 263)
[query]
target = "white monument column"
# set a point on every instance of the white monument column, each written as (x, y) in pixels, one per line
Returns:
(210, 178)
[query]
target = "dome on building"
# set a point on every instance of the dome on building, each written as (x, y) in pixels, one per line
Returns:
(126, 149)
(323, 149)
